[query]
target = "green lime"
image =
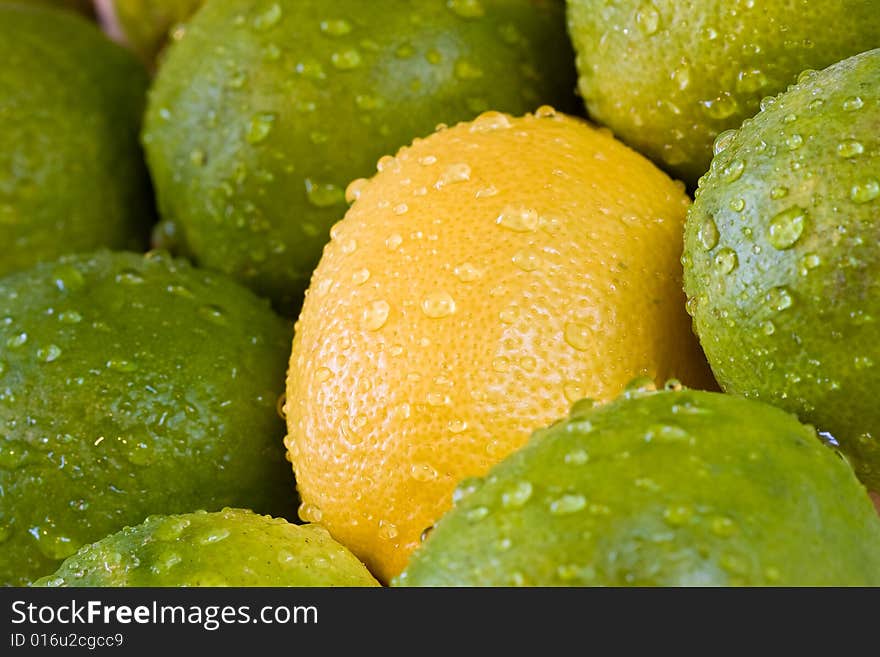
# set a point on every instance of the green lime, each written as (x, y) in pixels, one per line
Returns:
(667, 76)
(232, 547)
(265, 110)
(782, 257)
(72, 176)
(670, 488)
(132, 385)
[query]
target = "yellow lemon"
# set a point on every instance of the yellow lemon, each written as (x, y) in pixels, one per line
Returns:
(484, 279)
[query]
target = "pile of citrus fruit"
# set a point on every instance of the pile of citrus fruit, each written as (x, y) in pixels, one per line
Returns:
(439, 293)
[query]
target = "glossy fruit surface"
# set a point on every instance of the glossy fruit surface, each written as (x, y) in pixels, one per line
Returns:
(129, 386)
(483, 280)
(782, 257)
(671, 488)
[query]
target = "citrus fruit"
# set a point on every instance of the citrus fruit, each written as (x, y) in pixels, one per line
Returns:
(144, 25)
(232, 547)
(669, 75)
(672, 488)
(782, 257)
(484, 279)
(131, 385)
(71, 171)
(265, 110)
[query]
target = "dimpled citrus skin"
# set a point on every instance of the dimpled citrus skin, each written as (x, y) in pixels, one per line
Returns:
(782, 257)
(672, 488)
(265, 110)
(71, 171)
(131, 385)
(669, 75)
(484, 279)
(232, 547)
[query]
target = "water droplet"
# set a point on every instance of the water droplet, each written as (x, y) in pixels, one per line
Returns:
(360, 276)
(810, 261)
(346, 60)
(726, 260)
(268, 18)
(213, 313)
(666, 433)
(423, 472)
(17, 340)
(259, 127)
(180, 291)
(121, 365)
(67, 278)
(677, 515)
(850, 148)
(578, 335)
(751, 81)
(786, 227)
(722, 107)
(69, 317)
(779, 298)
(49, 353)
(323, 195)
(638, 386)
(518, 219)
(517, 495)
(457, 426)
(452, 174)
(527, 260)
(566, 504)
(129, 277)
(489, 121)
(400, 209)
(708, 234)
(573, 391)
(576, 457)
(375, 315)
(467, 273)
(477, 513)
(310, 512)
(793, 142)
(438, 304)
(723, 526)
(339, 27)
(648, 18)
(853, 103)
(466, 487)
(466, 8)
(768, 327)
(865, 191)
(733, 171)
(682, 75)
(393, 241)
(723, 140)
(863, 362)
(778, 192)
(737, 204)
